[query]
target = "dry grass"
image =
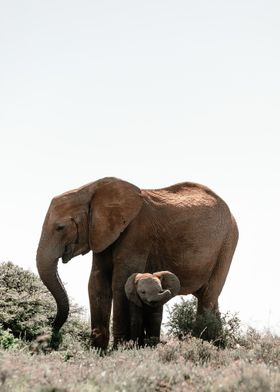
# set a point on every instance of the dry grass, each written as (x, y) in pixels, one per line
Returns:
(249, 363)
(190, 365)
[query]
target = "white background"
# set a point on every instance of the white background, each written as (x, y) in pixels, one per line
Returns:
(153, 92)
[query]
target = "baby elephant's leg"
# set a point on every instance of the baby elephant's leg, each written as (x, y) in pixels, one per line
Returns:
(152, 323)
(136, 324)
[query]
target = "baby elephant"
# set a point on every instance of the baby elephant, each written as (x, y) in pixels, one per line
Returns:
(147, 293)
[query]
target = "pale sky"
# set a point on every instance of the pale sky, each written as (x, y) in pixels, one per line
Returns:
(153, 92)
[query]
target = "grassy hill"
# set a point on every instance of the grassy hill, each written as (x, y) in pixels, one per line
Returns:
(191, 365)
(249, 361)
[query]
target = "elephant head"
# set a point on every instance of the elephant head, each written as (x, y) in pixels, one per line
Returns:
(152, 289)
(89, 218)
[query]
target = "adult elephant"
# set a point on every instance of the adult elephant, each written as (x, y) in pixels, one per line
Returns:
(185, 228)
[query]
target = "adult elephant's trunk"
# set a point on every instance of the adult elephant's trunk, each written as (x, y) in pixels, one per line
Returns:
(47, 268)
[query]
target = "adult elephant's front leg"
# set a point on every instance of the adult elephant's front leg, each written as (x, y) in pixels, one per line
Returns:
(121, 318)
(100, 297)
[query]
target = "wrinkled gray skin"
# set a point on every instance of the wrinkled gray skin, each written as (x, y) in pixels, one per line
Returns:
(147, 294)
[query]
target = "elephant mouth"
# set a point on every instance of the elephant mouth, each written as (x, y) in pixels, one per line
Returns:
(159, 300)
(153, 303)
(67, 254)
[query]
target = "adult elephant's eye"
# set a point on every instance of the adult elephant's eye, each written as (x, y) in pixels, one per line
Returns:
(59, 227)
(143, 292)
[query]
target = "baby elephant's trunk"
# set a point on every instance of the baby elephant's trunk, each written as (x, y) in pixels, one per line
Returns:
(161, 298)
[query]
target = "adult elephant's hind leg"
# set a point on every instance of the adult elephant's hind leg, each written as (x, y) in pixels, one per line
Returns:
(208, 324)
(100, 298)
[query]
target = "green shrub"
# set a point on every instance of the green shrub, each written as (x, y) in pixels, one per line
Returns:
(182, 322)
(27, 308)
(181, 318)
(7, 339)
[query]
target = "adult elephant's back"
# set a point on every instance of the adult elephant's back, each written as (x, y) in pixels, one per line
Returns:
(195, 233)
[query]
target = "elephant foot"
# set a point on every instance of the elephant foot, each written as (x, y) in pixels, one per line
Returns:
(99, 339)
(151, 341)
(136, 343)
(208, 327)
(124, 342)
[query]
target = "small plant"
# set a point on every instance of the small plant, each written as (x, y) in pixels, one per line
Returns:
(200, 352)
(267, 350)
(223, 330)
(169, 352)
(181, 318)
(7, 339)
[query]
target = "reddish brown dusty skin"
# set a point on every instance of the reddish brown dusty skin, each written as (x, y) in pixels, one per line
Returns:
(185, 228)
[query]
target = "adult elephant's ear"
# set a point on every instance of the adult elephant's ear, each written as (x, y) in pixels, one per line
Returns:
(114, 205)
(130, 289)
(169, 281)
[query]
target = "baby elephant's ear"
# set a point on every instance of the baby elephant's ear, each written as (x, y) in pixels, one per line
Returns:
(131, 290)
(169, 281)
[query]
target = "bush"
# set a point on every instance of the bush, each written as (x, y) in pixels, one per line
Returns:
(181, 318)
(27, 308)
(7, 339)
(182, 322)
